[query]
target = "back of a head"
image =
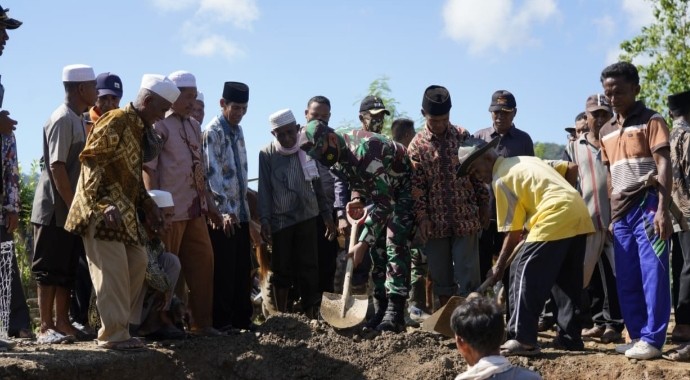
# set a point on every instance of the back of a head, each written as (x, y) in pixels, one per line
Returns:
(625, 70)
(400, 128)
(479, 322)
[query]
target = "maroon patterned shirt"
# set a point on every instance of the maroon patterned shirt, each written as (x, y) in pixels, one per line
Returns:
(450, 202)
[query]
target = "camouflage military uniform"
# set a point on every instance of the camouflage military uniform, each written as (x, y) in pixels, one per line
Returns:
(381, 172)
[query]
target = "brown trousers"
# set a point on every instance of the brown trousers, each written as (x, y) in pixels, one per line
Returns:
(189, 241)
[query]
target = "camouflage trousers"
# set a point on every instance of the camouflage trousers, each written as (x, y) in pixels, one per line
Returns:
(390, 255)
(418, 278)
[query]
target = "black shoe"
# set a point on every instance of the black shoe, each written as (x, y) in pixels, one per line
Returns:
(380, 306)
(394, 318)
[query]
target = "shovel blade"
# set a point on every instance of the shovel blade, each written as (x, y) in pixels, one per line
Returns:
(355, 310)
(440, 320)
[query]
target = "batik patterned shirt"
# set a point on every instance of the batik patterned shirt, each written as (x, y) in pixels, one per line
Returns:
(225, 158)
(379, 170)
(111, 175)
(10, 177)
(449, 201)
(680, 165)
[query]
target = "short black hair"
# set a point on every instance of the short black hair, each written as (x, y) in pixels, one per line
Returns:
(580, 116)
(400, 127)
(479, 322)
(625, 70)
(319, 99)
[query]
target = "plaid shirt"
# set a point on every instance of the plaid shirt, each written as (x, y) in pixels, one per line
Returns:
(450, 202)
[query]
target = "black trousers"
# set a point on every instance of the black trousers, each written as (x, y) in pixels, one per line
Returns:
(294, 261)
(19, 311)
(327, 252)
(81, 294)
(682, 304)
(603, 296)
(231, 278)
(542, 269)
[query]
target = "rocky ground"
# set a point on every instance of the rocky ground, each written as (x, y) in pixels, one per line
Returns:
(292, 347)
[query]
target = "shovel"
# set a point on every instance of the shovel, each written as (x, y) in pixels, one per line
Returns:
(343, 310)
(439, 321)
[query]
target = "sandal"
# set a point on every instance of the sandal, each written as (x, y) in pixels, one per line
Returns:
(51, 336)
(131, 344)
(679, 355)
(514, 348)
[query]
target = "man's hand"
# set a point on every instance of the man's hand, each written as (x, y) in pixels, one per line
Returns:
(343, 227)
(662, 224)
(424, 231)
(7, 124)
(355, 209)
(357, 253)
(113, 219)
(495, 273)
(154, 218)
(331, 231)
(215, 217)
(266, 233)
(11, 221)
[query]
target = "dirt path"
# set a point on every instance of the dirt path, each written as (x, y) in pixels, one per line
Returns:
(296, 348)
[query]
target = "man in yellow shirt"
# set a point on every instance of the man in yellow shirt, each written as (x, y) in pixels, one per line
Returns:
(532, 196)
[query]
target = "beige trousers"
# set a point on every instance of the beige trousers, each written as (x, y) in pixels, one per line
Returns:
(597, 243)
(117, 272)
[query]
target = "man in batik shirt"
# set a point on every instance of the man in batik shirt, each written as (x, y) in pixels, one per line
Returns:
(379, 171)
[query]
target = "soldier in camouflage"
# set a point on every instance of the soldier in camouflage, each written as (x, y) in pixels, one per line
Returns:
(378, 172)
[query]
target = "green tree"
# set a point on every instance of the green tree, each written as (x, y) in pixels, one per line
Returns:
(380, 88)
(662, 47)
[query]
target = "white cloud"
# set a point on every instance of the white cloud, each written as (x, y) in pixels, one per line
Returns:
(640, 13)
(493, 24)
(204, 35)
(240, 12)
(212, 45)
(612, 55)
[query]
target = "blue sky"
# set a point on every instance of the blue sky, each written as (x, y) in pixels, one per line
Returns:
(549, 53)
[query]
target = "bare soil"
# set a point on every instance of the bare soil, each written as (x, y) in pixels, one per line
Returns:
(293, 347)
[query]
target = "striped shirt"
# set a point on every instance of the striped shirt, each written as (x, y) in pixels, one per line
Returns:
(285, 197)
(627, 146)
(592, 174)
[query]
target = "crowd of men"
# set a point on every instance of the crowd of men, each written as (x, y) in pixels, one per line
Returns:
(141, 215)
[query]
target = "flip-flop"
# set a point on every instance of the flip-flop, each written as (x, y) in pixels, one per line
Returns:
(515, 348)
(131, 344)
(51, 336)
(679, 355)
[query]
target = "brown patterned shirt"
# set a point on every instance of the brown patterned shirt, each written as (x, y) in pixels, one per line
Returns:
(111, 174)
(680, 165)
(449, 201)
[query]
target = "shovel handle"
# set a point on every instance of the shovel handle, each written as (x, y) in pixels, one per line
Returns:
(350, 263)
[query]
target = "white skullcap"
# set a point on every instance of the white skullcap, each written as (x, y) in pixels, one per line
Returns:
(281, 118)
(200, 96)
(78, 73)
(182, 78)
(162, 198)
(161, 86)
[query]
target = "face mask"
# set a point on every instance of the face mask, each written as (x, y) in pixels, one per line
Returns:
(375, 125)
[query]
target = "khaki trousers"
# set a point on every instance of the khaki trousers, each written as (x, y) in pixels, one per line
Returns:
(117, 272)
(189, 241)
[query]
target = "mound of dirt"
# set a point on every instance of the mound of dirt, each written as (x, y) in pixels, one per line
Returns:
(293, 347)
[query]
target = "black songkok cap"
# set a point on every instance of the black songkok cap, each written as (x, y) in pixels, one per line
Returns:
(436, 101)
(236, 92)
(679, 104)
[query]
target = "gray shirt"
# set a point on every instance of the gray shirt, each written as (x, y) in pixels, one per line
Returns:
(592, 174)
(513, 143)
(64, 137)
(285, 196)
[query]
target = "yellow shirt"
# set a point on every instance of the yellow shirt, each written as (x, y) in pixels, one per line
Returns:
(530, 194)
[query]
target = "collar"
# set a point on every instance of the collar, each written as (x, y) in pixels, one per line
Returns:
(637, 109)
(130, 107)
(681, 123)
(450, 131)
(509, 132)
